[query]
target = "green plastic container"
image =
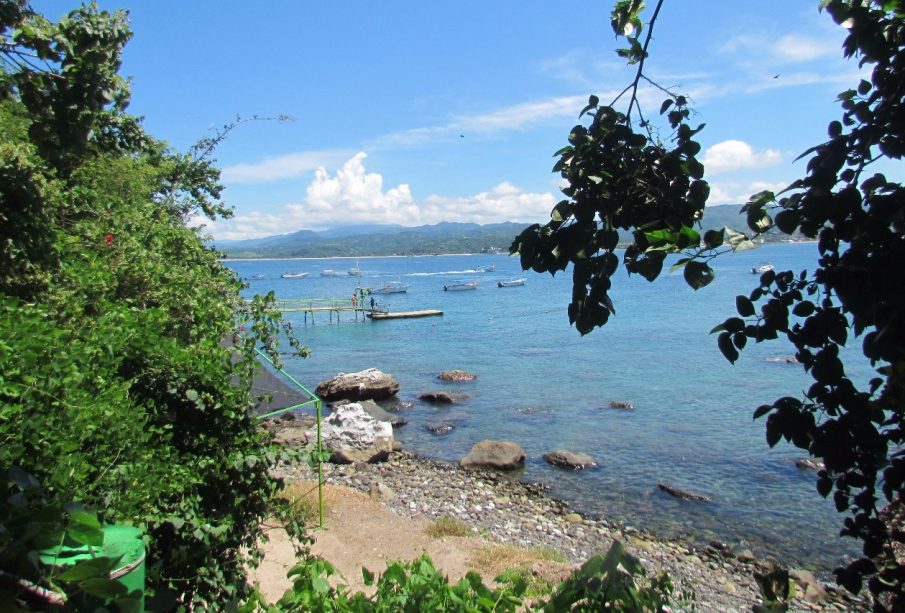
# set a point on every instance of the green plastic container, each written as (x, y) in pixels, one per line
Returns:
(124, 541)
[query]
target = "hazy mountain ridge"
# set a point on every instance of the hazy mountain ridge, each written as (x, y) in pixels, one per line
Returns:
(444, 237)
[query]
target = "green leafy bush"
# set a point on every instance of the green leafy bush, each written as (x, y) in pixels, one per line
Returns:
(126, 379)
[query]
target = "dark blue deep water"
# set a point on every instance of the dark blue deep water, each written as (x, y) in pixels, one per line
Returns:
(543, 386)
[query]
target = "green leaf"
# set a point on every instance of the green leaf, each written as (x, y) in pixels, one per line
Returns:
(714, 238)
(698, 274)
(107, 589)
(666, 104)
(727, 348)
(744, 306)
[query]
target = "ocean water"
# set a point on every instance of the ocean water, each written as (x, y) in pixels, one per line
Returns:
(545, 387)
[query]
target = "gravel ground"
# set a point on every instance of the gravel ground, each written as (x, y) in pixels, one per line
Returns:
(520, 513)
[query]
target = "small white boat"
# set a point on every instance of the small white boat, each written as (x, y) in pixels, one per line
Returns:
(329, 272)
(393, 287)
(762, 268)
(488, 268)
(256, 277)
(511, 282)
(294, 275)
(354, 272)
(460, 286)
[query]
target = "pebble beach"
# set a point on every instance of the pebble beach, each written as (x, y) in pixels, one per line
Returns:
(506, 510)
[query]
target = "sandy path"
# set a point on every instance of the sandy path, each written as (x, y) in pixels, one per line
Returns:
(361, 532)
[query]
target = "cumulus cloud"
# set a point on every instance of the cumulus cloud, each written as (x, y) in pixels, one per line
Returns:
(736, 155)
(353, 195)
(281, 167)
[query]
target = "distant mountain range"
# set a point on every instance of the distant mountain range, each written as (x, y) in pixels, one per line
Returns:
(446, 237)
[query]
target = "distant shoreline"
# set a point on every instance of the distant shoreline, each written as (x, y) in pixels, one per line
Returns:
(430, 255)
(356, 257)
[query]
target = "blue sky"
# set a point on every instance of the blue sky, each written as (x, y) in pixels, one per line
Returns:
(419, 112)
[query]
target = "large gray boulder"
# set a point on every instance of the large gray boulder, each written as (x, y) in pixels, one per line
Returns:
(572, 460)
(354, 436)
(499, 455)
(370, 384)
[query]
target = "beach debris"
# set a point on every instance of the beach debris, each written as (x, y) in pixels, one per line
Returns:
(456, 376)
(440, 429)
(354, 436)
(499, 455)
(573, 460)
(672, 490)
(443, 397)
(370, 384)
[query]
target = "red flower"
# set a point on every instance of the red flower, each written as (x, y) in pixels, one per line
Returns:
(109, 239)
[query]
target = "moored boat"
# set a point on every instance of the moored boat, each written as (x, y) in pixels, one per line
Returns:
(511, 282)
(293, 275)
(354, 272)
(762, 268)
(329, 272)
(488, 268)
(460, 286)
(393, 287)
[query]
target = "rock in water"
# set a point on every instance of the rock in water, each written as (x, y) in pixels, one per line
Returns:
(354, 436)
(374, 410)
(439, 429)
(500, 455)
(456, 375)
(370, 384)
(621, 404)
(443, 397)
(672, 490)
(569, 459)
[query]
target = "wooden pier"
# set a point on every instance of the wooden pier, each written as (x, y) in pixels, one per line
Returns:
(332, 307)
(328, 306)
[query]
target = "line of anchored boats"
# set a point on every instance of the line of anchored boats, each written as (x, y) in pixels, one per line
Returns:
(397, 287)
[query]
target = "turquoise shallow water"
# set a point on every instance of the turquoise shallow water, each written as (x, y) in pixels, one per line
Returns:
(543, 385)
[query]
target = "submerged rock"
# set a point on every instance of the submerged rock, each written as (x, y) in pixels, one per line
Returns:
(572, 460)
(683, 494)
(439, 429)
(370, 384)
(499, 455)
(354, 436)
(456, 375)
(621, 404)
(443, 397)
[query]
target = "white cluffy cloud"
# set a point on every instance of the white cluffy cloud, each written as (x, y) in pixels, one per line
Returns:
(353, 195)
(787, 49)
(732, 155)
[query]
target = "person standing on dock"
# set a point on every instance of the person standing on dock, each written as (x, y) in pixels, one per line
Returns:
(354, 300)
(373, 304)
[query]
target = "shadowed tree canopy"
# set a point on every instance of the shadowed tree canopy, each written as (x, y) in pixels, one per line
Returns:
(620, 175)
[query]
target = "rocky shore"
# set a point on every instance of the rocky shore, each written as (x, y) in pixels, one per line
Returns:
(511, 511)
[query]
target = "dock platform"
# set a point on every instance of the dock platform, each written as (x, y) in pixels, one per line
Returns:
(404, 314)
